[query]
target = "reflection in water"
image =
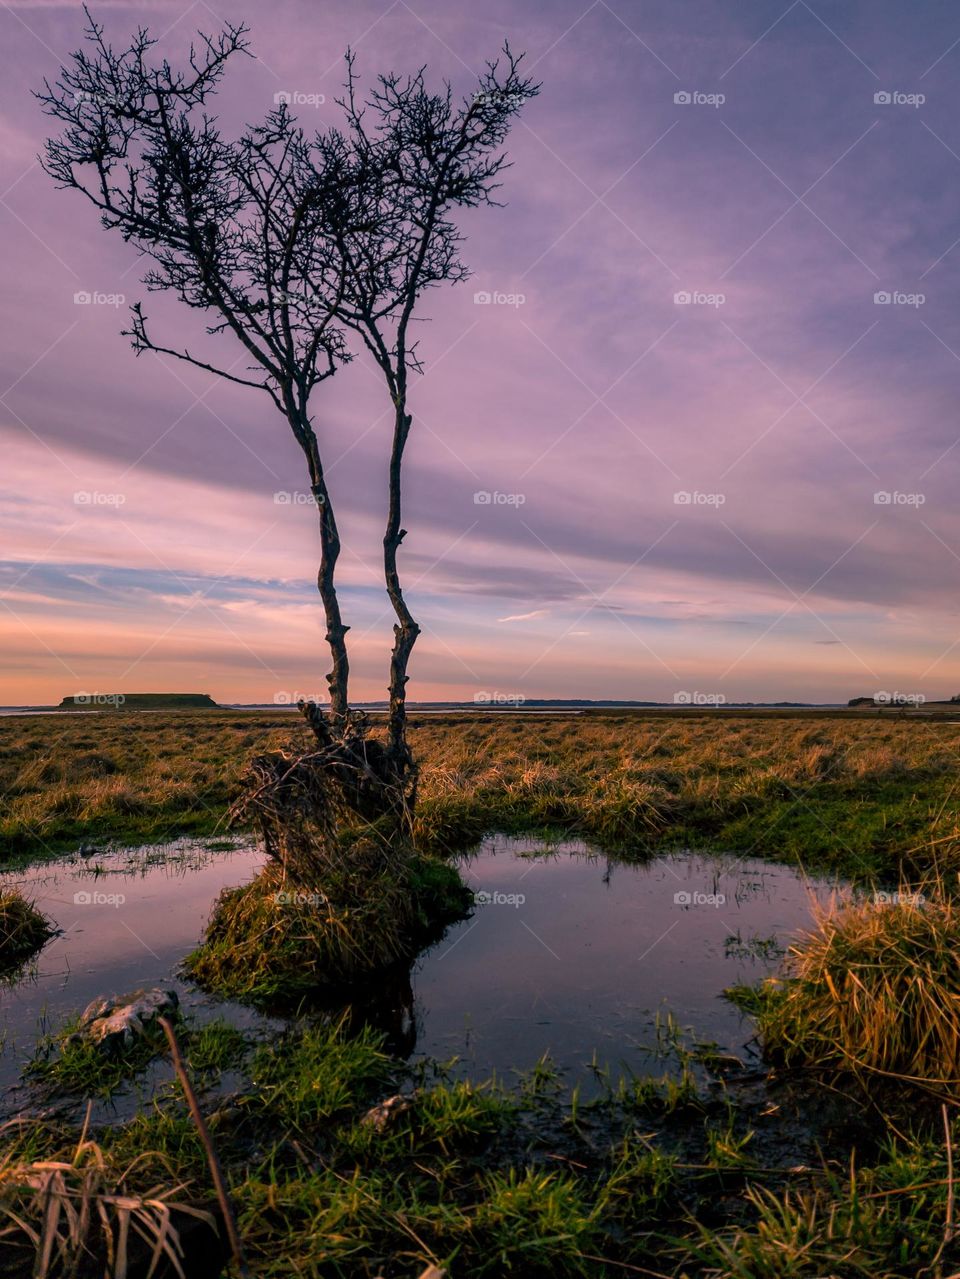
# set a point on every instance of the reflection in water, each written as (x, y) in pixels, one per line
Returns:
(567, 952)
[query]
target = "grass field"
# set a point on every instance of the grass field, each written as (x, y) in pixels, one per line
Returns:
(713, 1172)
(867, 795)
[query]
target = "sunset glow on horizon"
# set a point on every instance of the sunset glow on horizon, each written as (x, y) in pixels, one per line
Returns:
(690, 427)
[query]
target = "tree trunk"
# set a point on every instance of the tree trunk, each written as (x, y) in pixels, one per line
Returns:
(405, 630)
(338, 678)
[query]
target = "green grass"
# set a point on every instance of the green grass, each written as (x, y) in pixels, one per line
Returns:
(530, 1181)
(862, 794)
(79, 1067)
(23, 930)
(271, 943)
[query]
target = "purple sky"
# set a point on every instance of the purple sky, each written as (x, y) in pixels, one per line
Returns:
(782, 409)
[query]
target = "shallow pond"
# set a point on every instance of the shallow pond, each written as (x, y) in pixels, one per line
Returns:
(567, 951)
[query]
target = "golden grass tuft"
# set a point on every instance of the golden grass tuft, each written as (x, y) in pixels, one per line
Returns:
(874, 990)
(77, 1217)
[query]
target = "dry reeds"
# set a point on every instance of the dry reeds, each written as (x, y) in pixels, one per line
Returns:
(75, 1219)
(874, 989)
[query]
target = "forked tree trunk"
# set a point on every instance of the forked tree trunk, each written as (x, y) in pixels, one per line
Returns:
(339, 676)
(405, 630)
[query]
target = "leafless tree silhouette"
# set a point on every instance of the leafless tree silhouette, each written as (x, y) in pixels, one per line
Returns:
(290, 243)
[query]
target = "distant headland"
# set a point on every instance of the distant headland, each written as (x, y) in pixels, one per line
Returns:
(138, 702)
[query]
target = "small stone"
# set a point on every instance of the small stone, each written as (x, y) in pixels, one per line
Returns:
(115, 1023)
(384, 1112)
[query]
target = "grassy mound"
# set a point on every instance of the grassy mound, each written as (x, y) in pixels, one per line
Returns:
(873, 990)
(23, 930)
(275, 940)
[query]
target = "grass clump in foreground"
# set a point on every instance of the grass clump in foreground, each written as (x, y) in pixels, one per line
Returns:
(74, 1064)
(23, 930)
(78, 1216)
(276, 941)
(534, 1182)
(873, 991)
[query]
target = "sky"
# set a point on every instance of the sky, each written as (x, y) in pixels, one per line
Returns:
(690, 432)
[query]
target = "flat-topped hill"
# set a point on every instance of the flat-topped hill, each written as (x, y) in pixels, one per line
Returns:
(138, 702)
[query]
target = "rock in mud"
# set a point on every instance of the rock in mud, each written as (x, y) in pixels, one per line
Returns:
(116, 1023)
(380, 1116)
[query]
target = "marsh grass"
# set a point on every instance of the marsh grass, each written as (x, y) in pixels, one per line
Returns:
(78, 1217)
(873, 990)
(868, 795)
(23, 930)
(528, 1181)
(275, 941)
(74, 1065)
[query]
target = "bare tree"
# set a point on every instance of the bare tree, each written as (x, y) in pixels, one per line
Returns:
(289, 241)
(415, 157)
(230, 228)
